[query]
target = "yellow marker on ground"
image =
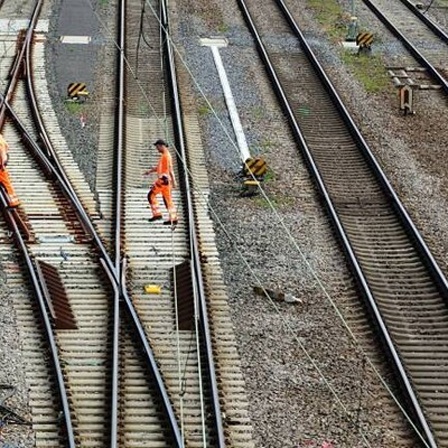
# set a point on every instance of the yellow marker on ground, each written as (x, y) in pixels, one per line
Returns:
(153, 289)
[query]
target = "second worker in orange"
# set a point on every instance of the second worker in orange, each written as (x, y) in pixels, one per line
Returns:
(4, 174)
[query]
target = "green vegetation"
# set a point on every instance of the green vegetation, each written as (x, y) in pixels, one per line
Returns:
(369, 70)
(203, 109)
(74, 107)
(266, 144)
(222, 28)
(331, 16)
(278, 201)
(257, 112)
(269, 176)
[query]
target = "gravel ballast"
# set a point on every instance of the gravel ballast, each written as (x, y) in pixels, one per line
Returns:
(285, 243)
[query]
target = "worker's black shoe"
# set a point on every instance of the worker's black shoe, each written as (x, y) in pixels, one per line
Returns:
(170, 223)
(155, 218)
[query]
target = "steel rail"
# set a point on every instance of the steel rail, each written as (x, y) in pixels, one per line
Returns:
(66, 186)
(430, 261)
(426, 20)
(52, 165)
(9, 92)
(37, 288)
(411, 48)
(114, 402)
(194, 246)
(118, 162)
(351, 257)
(119, 130)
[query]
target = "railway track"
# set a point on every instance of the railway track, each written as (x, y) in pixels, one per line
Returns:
(401, 284)
(77, 302)
(162, 256)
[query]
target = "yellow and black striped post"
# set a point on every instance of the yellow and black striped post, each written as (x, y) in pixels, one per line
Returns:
(254, 169)
(76, 90)
(364, 40)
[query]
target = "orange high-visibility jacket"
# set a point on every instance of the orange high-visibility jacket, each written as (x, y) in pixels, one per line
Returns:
(4, 148)
(4, 175)
(165, 165)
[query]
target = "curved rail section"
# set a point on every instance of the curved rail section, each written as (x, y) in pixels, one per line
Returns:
(14, 223)
(120, 263)
(49, 158)
(78, 305)
(404, 288)
(114, 272)
(125, 406)
(20, 230)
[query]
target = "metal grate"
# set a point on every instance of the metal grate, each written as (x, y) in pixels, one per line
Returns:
(56, 297)
(184, 293)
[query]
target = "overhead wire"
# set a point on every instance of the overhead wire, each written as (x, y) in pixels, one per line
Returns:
(291, 238)
(429, 6)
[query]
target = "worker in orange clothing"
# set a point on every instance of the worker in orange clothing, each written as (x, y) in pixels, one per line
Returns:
(4, 174)
(163, 185)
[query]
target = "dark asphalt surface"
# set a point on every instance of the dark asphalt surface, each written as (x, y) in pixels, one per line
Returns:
(74, 61)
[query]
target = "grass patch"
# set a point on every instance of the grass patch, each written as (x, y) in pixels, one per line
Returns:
(269, 176)
(369, 70)
(204, 109)
(331, 16)
(258, 112)
(439, 3)
(278, 202)
(222, 28)
(74, 107)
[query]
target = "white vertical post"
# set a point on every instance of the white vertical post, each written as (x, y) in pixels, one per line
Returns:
(234, 117)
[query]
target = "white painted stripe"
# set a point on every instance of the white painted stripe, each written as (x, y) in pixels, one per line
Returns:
(214, 42)
(235, 118)
(76, 39)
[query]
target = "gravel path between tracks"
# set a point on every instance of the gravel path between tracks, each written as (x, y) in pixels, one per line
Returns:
(290, 403)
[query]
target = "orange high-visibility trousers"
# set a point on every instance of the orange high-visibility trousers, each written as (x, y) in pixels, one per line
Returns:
(160, 187)
(6, 182)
